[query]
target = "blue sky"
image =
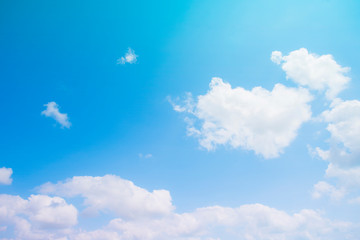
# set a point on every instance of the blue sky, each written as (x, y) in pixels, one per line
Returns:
(219, 155)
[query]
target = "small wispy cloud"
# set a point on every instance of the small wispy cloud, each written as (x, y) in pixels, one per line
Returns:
(130, 57)
(149, 155)
(52, 110)
(5, 176)
(323, 188)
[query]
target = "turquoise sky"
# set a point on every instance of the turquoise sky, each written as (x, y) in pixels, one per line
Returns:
(103, 102)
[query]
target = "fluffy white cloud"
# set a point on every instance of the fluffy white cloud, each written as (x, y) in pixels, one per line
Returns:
(113, 194)
(348, 176)
(260, 120)
(348, 182)
(52, 110)
(97, 235)
(51, 212)
(344, 123)
(42, 217)
(321, 73)
(38, 217)
(5, 176)
(276, 57)
(343, 120)
(130, 57)
(248, 222)
(323, 188)
(344, 126)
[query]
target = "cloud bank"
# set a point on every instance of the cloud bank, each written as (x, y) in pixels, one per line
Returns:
(141, 214)
(112, 194)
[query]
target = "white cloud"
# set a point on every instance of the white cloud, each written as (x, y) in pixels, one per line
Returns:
(149, 155)
(348, 176)
(276, 57)
(130, 57)
(5, 176)
(344, 126)
(343, 120)
(355, 200)
(42, 217)
(112, 194)
(187, 105)
(52, 110)
(324, 154)
(260, 120)
(38, 217)
(348, 182)
(97, 235)
(51, 212)
(323, 188)
(344, 123)
(321, 73)
(248, 222)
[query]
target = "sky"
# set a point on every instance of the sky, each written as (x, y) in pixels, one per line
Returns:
(185, 120)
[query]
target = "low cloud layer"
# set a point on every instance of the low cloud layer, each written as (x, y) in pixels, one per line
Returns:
(141, 214)
(249, 222)
(112, 194)
(38, 217)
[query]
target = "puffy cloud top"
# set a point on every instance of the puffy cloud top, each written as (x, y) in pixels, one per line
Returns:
(321, 73)
(250, 221)
(260, 120)
(113, 194)
(38, 217)
(149, 216)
